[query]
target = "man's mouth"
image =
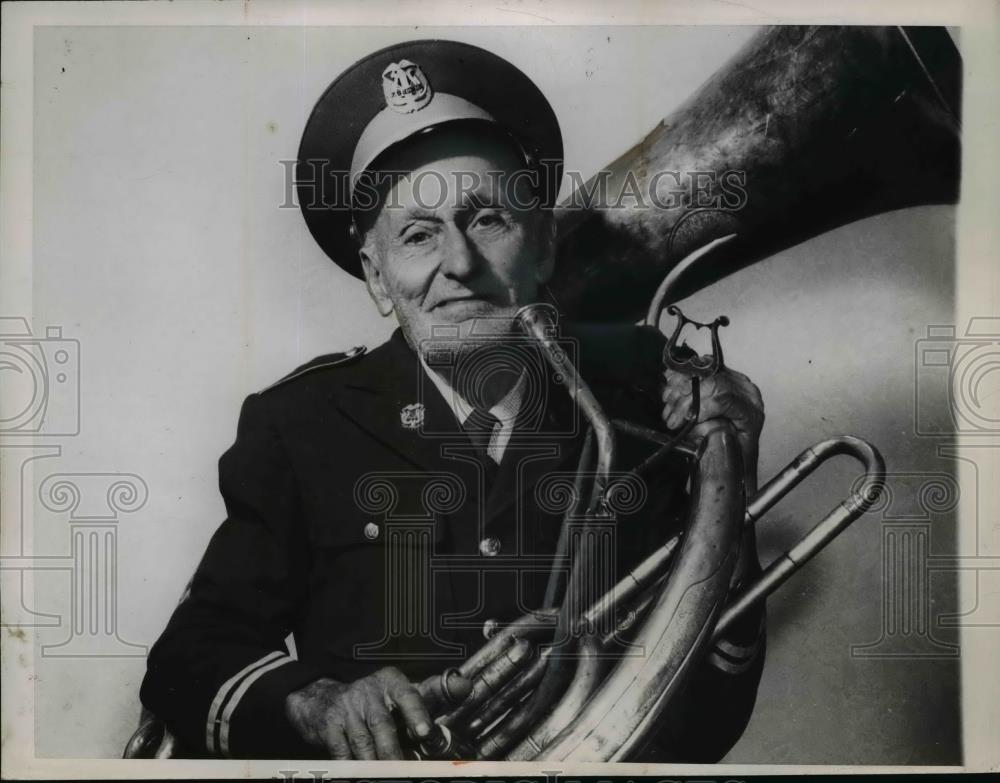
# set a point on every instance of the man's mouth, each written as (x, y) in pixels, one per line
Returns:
(463, 300)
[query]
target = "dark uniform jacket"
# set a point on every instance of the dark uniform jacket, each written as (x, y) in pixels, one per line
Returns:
(364, 532)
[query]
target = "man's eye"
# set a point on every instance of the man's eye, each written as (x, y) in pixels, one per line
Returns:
(489, 220)
(417, 238)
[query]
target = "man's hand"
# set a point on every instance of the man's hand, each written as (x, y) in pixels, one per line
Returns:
(726, 395)
(355, 720)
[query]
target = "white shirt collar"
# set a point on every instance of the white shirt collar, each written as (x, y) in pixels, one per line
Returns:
(506, 410)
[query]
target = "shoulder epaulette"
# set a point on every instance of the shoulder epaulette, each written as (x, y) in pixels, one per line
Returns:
(320, 363)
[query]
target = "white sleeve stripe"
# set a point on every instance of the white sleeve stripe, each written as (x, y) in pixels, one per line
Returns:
(235, 700)
(223, 694)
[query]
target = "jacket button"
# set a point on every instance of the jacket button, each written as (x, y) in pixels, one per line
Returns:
(489, 547)
(490, 628)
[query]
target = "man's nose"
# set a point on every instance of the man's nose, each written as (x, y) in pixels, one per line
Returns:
(461, 257)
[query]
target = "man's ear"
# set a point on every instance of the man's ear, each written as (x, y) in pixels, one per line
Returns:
(547, 257)
(374, 281)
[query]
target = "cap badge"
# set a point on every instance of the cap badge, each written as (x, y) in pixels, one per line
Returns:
(412, 416)
(405, 87)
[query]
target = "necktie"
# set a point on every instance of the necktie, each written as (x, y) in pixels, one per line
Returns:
(480, 426)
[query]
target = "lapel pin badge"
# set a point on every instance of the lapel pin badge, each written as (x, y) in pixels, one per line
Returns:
(412, 416)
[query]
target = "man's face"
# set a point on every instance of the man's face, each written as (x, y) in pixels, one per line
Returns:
(454, 243)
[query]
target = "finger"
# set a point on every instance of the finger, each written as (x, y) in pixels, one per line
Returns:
(460, 687)
(668, 409)
(715, 391)
(360, 739)
(732, 407)
(383, 730)
(336, 743)
(406, 698)
(676, 381)
(671, 394)
(677, 414)
(747, 388)
(711, 385)
(670, 375)
(744, 388)
(723, 405)
(439, 696)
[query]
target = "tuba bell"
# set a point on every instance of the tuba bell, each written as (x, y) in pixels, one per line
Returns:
(805, 129)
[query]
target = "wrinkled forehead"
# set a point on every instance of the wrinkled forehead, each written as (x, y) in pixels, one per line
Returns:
(450, 168)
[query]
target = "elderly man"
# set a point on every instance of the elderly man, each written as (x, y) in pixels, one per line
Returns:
(386, 510)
